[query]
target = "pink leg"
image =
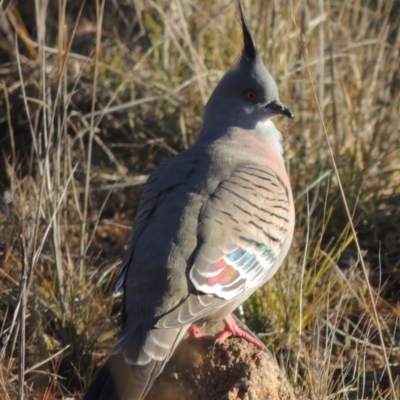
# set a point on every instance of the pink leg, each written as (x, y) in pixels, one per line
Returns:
(231, 329)
(198, 334)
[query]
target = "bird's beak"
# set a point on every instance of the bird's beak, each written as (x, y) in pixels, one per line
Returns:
(276, 107)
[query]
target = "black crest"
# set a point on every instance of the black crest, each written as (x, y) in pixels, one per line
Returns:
(249, 47)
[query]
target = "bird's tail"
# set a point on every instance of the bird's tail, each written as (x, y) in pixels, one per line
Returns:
(117, 380)
(131, 371)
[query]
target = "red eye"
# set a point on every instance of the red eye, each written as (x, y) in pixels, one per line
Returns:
(251, 95)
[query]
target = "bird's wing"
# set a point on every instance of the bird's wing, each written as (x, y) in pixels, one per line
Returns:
(161, 182)
(243, 232)
(141, 351)
(244, 227)
(152, 194)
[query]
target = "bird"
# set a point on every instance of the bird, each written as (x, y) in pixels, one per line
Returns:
(214, 223)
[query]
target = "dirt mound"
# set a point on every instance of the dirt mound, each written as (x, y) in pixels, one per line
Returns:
(235, 369)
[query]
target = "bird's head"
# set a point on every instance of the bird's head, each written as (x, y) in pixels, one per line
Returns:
(247, 94)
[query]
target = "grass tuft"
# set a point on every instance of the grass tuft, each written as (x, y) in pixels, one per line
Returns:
(94, 95)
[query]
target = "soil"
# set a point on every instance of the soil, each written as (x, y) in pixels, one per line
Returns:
(235, 369)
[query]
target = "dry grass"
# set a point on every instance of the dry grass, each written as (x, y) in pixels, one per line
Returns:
(94, 95)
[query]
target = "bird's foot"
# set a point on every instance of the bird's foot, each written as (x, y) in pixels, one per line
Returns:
(231, 329)
(195, 332)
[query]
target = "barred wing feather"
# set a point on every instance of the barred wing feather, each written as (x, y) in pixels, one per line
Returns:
(243, 229)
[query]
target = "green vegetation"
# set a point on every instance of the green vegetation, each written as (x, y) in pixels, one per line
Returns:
(94, 95)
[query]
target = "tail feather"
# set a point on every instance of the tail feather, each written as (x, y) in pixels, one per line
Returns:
(117, 380)
(103, 387)
(124, 378)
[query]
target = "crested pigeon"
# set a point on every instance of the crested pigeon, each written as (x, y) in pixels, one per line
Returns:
(214, 223)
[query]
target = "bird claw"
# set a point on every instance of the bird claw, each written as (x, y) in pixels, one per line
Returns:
(231, 329)
(196, 333)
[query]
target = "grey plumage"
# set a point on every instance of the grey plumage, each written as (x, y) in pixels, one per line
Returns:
(214, 223)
